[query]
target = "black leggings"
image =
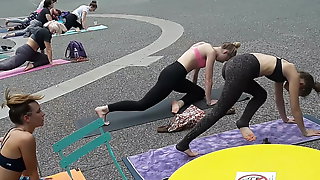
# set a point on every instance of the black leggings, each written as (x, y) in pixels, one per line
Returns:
(71, 21)
(23, 54)
(172, 78)
(239, 74)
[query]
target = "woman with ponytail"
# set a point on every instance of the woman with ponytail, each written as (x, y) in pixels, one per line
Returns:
(239, 74)
(173, 78)
(40, 39)
(18, 147)
(78, 17)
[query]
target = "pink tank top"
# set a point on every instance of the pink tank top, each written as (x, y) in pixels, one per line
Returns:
(200, 60)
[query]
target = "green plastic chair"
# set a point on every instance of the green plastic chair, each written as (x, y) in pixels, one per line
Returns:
(104, 138)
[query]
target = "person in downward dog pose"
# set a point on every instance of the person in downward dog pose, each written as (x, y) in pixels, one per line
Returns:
(18, 146)
(239, 74)
(173, 78)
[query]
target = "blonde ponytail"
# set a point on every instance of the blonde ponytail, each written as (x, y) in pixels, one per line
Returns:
(16, 99)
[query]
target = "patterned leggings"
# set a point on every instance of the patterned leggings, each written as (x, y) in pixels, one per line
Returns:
(239, 74)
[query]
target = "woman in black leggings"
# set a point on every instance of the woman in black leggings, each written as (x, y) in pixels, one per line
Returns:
(41, 39)
(239, 74)
(173, 78)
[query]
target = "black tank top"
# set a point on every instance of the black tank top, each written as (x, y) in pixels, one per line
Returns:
(40, 36)
(16, 165)
(277, 74)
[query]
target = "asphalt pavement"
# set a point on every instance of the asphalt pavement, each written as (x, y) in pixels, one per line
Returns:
(289, 29)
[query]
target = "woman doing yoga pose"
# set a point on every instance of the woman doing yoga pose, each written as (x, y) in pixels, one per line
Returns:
(239, 74)
(78, 17)
(41, 39)
(173, 78)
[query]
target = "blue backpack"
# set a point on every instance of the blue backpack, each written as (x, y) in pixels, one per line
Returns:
(75, 51)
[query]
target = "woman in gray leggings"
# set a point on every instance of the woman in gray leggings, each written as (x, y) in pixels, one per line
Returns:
(239, 74)
(41, 39)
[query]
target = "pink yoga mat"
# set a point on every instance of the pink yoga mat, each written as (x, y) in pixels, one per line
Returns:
(20, 70)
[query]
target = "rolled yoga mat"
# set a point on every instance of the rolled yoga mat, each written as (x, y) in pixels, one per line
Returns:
(123, 119)
(162, 163)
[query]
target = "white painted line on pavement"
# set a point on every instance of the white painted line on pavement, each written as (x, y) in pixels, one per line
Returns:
(171, 32)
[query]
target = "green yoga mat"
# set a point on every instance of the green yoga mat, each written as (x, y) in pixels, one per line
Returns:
(123, 119)
(92, 28)
(3, 56)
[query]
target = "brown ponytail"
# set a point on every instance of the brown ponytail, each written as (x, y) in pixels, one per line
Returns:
(309, 84)
(231, 47)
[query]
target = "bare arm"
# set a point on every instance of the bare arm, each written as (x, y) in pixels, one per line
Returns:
(49, 17)
(28, 152)
(195, 76)
(84, 19)
(209, 75)
(280, 101)
(294, 84)
(48, 51)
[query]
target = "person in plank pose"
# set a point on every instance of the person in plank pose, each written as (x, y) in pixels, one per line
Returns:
(239, 74)
(173, 78)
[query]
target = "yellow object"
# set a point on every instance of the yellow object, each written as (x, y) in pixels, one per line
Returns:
(76, 174)
(290, 162)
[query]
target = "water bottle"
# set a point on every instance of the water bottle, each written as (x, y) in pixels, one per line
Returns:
(76, 54)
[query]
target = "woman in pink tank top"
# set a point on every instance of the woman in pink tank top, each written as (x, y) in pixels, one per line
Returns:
(173, 78)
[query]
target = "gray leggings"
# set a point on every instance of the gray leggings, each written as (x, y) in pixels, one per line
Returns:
(239, 74)
(23, 54)
(32, 27)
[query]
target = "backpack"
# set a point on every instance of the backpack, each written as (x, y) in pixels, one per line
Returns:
(75, 51)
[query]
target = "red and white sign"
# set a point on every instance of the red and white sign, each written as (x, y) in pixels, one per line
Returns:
(256, 176)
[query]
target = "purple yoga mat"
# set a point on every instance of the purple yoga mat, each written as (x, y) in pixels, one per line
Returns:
(157, 164)
(20, 70)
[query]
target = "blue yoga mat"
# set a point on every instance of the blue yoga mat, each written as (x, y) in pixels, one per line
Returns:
(92, 28)
(3, 30)
(162, 163)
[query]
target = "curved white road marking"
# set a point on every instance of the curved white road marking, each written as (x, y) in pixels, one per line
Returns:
(171, 32)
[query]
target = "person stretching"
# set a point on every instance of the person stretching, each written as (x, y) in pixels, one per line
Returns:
(239, 74)
(41, 39)
(78, 17)
(173, 78)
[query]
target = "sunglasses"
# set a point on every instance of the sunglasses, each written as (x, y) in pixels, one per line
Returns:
(6, 48)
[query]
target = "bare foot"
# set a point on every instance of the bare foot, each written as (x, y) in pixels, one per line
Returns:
(176, 105)
(247, 134)
(190, 153)
(29, 66)
(102, 112)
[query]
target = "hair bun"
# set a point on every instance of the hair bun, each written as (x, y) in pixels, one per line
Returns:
(237, 44)
(93, 1)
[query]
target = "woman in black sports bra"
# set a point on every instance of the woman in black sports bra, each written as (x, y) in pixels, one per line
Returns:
(239, 74)
(18, 146)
